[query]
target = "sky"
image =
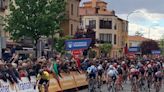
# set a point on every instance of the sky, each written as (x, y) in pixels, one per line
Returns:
(148, 15)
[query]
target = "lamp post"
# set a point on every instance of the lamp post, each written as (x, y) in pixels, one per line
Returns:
(150, 29)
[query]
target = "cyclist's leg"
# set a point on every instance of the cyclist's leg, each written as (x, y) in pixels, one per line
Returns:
(41, 81)
(46, 86)
(109, 83)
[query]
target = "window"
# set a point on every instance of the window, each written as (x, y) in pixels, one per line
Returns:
(92, 24)
(115, 26)
(71, 9)
(115, 39)
(3, 5)
(106, 38)
(71, 29)
(105, 24)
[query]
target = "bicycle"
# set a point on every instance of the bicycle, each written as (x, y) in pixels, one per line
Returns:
(99, 81)
(158, 85)
(149, 81)
(142, 83)
(111, 85)
(91, 85)
(134, 83)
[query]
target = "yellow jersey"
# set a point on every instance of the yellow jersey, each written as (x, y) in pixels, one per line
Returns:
(45, 76)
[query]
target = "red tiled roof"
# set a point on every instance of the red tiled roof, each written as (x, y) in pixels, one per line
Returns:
(98, 1)
(137, 38)
(92, 11)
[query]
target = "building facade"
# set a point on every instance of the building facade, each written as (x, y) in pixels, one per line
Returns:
(135, 41)
(108, 27)
(71, 24)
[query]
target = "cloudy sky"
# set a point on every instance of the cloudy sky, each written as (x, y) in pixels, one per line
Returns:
(147, 15)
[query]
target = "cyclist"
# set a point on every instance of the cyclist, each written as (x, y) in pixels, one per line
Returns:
(158, 80)
(142, 77)
(125, 71)
(120, 77)
(134, 76)
(100, 73)
(112, 75)
(91, 75)
(44, 78)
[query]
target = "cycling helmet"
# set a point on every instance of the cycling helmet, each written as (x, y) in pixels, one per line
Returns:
(123, 62)
(111, 67)
(41, 71)
(132, 70)
(99, 67)
(149, 66)
(132, 66)
(119, 66)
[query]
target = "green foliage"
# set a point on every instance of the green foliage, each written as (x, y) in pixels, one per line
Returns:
(59, 44)
(162, 44)
(138, 33)
(149, 45)
(105, 48)
(92, 54)
(34, 18)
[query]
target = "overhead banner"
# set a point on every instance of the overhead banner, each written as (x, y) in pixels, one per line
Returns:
(76, 44)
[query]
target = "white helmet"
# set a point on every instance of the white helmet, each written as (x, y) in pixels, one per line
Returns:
(149, 66)
(123, 62)
(132, 66)
(99, 67)
(111, 67)
(132, 70)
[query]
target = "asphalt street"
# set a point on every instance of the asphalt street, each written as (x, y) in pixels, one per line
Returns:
(127, 88)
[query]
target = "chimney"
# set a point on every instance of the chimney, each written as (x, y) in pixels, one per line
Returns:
(113, 12)
(94, 3)
(97, 10)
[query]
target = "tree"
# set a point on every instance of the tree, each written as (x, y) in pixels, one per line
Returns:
(59, 44)
(138, 33)
(149, 45)
(34, 18)
(92, 53)
(162, 44)
(105, 48)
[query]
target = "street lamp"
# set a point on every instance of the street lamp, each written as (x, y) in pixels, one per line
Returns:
(137, 11)
(152, 26)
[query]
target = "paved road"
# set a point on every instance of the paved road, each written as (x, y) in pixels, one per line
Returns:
(127, 88)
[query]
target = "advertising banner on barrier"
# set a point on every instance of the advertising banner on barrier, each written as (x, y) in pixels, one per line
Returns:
(6, 87)
(76, 44)
(54, 86)
(80, 79)
(26, 86)
(67, 82)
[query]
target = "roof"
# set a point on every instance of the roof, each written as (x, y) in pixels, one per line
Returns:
(98, 1)
(83, 11)
(137, 38)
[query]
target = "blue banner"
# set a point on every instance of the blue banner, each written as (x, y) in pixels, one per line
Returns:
(76, 44)
(156, 52)
(134, 49)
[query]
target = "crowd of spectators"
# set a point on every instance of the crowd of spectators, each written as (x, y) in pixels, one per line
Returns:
(13, 69)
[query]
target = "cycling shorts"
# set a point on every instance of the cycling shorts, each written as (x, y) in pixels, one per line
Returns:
(92, 75)
(158, 78)
(100, 73)
(135, 76)
(114, 78)
(43, 81)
